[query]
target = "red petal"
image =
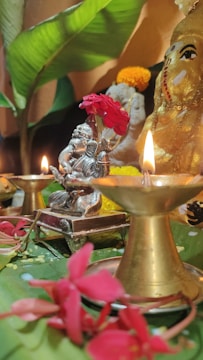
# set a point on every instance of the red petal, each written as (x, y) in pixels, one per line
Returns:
(114, 345)
(133, 319)
(72, 319)
(100, 286)
(56, 322)
(158, 345)
(7, 227)
(104, 313)
(79, 261)
(47, 285)
(32, 309)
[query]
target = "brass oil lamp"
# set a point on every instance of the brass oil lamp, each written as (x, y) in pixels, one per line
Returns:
(151, 265)
(32, 185)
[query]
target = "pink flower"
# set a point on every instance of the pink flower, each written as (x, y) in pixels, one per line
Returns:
(109, 110)
(66, 295)
(67, 292)
(109, 288)
(127, 338)
(92, 325)
(31, 309)
(8, 228)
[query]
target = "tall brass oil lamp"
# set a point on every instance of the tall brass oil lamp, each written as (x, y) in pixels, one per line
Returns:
(150, 265)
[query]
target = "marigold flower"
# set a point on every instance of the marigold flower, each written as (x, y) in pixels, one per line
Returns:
(107, 204)
(135, 76)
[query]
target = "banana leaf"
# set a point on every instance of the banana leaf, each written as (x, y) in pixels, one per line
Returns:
(11, 15)
(77, 39)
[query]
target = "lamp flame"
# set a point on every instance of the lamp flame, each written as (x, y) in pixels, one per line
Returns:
(148, 156)
(44, 165)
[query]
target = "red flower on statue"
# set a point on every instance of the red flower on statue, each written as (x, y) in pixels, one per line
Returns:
(113, 116)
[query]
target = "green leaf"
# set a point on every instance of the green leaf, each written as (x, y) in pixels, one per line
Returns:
(11, 19)
(78, 39)
(64, 97)
(5, 259)
(36, 340)
(64, 94)
(46, 192)
(5, 102)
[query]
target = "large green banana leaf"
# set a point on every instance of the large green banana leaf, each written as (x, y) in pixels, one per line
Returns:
(78, 39)
(11, 19)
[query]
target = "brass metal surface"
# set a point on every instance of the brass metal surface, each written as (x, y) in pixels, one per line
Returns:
(111, 264)
(151, 265)
(32, 186)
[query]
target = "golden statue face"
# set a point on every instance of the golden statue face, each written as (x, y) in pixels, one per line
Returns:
(177, 119)
(182, 73)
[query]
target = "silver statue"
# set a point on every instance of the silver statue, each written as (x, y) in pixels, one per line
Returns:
(81, 160)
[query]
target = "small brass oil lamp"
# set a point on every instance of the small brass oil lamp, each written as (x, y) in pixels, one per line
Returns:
(32, 185)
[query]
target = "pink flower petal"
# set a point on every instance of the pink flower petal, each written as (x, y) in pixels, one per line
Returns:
(62, 290)
(79, 261)
(158, 345)
(72, 318)
(114, 345)
(31, 309)
(133, 319)
(47, 285)
(7, 227)
(56, 322)
(100, 286)
(21, 224)
(92, 325)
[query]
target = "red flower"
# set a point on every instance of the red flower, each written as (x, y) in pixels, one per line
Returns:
(109, 110)
(128, 338)
(8, 228)
(31, 309)
(67, 292)
(66, 296)
(92, 326)
(109, 288)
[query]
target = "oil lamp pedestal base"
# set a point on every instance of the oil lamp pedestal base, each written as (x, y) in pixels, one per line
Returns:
(151, 266)
(112, 265)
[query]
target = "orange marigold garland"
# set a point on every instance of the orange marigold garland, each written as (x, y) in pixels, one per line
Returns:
(135, 76)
